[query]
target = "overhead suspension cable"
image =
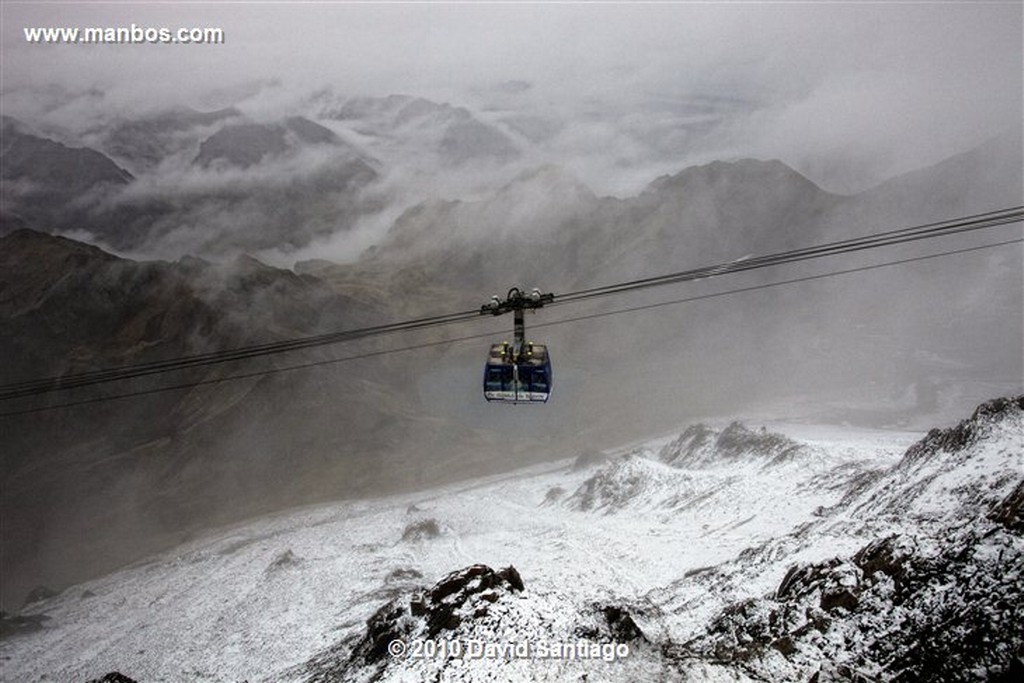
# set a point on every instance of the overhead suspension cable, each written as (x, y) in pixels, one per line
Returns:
(472, 337)
(33, 387)
(883, 239)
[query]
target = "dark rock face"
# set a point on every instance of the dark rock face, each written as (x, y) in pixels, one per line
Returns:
(968, 432)
(892, 607)
(890, 556)
(835, 581)
(1010, 511)
(443, 607)
(114, 677)
(284, 560)
(422, 530)
(614, 624)
(554, 494)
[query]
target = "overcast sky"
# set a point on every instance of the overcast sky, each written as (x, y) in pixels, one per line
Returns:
(877, 87)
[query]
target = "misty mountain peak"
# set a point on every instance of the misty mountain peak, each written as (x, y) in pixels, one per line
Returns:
(176, 118)
(529, 207)
(143, 142)
(244, 145)
(309, 132)
(549, 179)
(248, 144)
(245, 265)
(52, 166)
(437, 131)
(392, 111)
(724, 174)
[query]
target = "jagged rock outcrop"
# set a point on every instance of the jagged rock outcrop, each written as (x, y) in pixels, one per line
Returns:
(613, 623)
(423, 530)
(967, 432)
(114, 677)
(463, 594)
(896, 610)
(1010, 511)
(466, 595)
(477, 623)
(702, 446)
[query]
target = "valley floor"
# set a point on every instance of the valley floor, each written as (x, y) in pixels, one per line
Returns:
(676, 529)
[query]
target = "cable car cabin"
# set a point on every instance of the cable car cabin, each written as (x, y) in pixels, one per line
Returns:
(525, 381)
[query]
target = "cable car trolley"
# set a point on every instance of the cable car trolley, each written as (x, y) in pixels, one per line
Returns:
(517, 372)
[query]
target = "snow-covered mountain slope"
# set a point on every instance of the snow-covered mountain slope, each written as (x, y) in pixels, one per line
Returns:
(725, 553)
(915, 574)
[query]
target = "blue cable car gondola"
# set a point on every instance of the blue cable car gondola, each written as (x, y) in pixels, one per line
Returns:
(519, 372)
(527, 379)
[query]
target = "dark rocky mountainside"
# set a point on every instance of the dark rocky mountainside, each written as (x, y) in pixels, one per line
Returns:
(891, 612)
(247, 144)
(70, 307)
(53, 167)
(182, 459)
(52, 185)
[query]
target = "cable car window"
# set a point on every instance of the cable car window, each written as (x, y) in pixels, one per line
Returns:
(495, 378)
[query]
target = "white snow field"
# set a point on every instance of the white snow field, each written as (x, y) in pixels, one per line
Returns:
(672, 531)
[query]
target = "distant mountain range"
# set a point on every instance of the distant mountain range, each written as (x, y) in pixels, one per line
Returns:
(205, 189)
(448, 135)
(214, 183)
(191, 191)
